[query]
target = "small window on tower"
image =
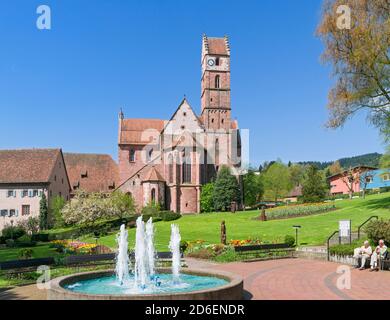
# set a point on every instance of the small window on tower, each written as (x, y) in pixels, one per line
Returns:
(132, 155)
(217, 61)
(184, 113)
(217, 81)
(223, 120)
(212, 120)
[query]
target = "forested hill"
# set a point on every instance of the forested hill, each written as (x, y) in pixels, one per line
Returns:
(370, 159)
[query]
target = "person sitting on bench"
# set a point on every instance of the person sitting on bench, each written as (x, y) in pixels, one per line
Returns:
(362, 253)
(377, 255)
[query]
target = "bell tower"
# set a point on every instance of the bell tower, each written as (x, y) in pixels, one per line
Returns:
(215, 83)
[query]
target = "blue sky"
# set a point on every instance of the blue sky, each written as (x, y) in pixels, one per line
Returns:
(64, 87)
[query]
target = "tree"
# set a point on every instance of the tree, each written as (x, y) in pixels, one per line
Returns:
(226, 190)
(360, 56)
(206, 198)
(253, 188)
(296, 174)
(314, 186)
(277, 182)
(385, 160)
(43, 212)
(121, 204)
(365, 179)
(56, 206)
(349, 178)
(335, 168)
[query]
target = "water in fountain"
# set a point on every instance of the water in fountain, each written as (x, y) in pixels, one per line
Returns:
(174, 246)
(122, 258)
(141, 269)
(151, 253)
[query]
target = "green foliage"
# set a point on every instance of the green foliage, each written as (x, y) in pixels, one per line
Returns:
(253, 188)
(121, 204)
(292, 211)
(25, 241)
(43, 213)
(277, 182)
(151, 209)
(169, 215)
(31, 225)
(25, 253)
(12, 232)
(297, 173)
(206, 198)
(183, 246)
(385, 160)
(290, 240)
(56, 206)
(226, 190)
(377, 230)
(314, 187)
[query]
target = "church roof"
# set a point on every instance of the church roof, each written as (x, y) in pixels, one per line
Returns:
(132, 131)
(154, 175)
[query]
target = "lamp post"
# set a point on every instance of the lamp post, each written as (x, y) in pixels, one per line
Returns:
(12, 229)
(296, 234)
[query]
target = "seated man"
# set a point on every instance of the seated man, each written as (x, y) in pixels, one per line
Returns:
(378, 254)
(362, 253)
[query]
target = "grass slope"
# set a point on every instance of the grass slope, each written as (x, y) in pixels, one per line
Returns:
(315, 229)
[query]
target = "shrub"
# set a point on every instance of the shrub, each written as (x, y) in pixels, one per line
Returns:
(40, 237)
(206, 198)
(10, 243)
(25, 253)
(377, 230)
(169, 215)
(13, 232)
(183, 245)
(151, 209)
(290, 240)
(25, 241)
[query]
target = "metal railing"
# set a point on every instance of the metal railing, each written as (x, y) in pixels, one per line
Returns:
(328, 243)
(364, 223)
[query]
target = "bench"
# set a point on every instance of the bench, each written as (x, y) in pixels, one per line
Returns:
(22, 266)
(265, 252)
(383, 264)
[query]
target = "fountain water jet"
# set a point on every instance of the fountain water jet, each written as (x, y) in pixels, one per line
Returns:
(151, 253)
(174, 246)
(122, 258)
(141, 269)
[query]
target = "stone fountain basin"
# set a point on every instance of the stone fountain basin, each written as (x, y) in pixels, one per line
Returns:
(231, 291)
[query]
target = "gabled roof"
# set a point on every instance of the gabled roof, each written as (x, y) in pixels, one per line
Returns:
(216, 46)
(153, 175)
(354, 169)
(92, 172)
(132, 131)
(27, 165)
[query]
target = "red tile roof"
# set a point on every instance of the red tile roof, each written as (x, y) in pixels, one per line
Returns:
(134, 131)
(217, 46)
(154, 175)
(92, 172)
(28, 165)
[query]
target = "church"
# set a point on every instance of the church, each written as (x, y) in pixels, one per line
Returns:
(168, 161)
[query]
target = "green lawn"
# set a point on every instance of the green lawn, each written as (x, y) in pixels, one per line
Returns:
(315, 229)
(41, 250)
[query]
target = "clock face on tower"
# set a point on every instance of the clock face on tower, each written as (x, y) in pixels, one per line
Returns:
(210, 62)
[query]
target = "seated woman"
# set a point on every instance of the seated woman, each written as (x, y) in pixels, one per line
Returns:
(378, 254)
(362, 253)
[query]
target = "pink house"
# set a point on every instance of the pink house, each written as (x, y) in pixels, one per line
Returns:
(348, 181)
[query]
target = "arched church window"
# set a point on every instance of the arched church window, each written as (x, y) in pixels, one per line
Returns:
(217, 81)
(186, 171)
(153, 195)
(217, 151)
(170, 168)
(132, 155)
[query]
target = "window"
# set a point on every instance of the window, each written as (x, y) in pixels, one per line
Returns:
(217, 81)
(217, 61)
(222, 121)
(170, 168)
(25, 210)
(184, 113)
(4, 213)
(182, 127)
(153, 195)
(369, 179)
(12, 213)
(24, 193)
(216, 151)
(132, 155)
(150, 153)
(186, 171)
(84, 174)
(386, 177)
(55, 178)
(35, 193)
(10, 193)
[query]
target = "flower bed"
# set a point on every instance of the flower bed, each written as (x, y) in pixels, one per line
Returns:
(73, 247)
(298, 210)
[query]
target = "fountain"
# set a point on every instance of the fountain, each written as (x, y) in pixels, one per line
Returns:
(122, 258)
(146, 281)
(174, 246)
